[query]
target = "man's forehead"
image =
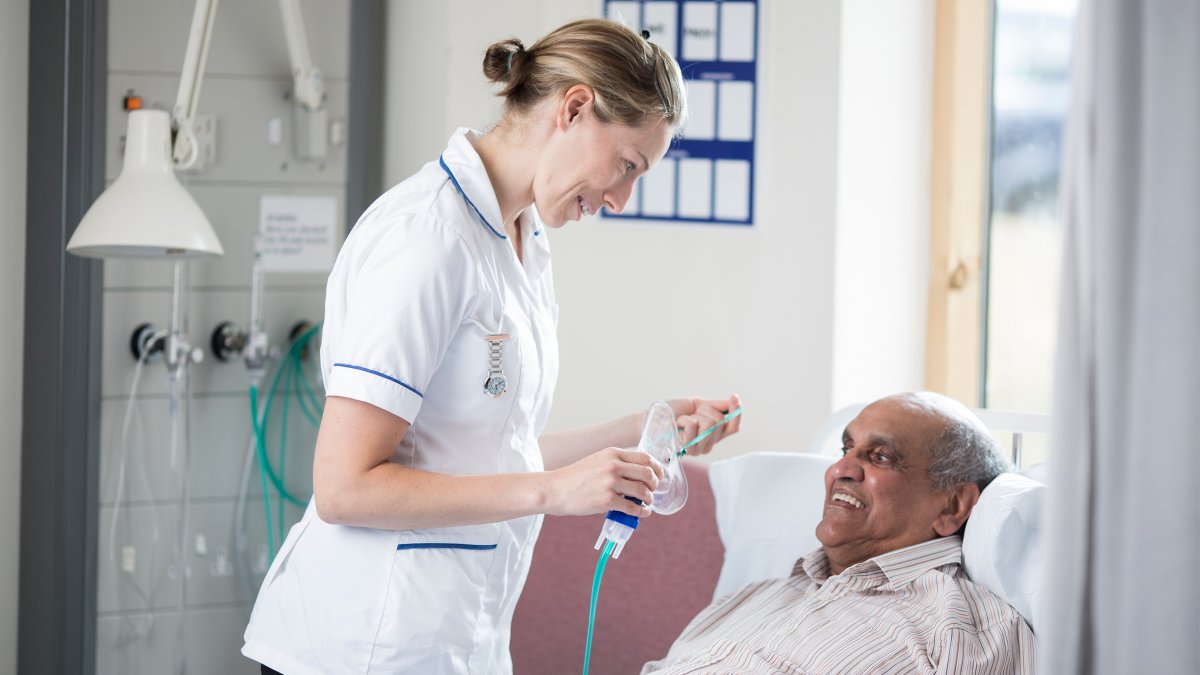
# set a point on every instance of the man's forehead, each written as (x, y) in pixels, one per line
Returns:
(885, 417)
(894, 422)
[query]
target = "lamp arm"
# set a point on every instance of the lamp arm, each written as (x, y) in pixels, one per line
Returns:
(309, 89)
(183, 116)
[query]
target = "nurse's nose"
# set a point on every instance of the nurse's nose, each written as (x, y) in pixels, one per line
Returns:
(616, 198)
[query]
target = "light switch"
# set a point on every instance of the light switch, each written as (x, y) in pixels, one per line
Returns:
(275, 131)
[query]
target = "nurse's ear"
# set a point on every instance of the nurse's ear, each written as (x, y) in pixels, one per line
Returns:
(575, 104)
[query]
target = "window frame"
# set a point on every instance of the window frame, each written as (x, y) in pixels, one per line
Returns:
(955, 353)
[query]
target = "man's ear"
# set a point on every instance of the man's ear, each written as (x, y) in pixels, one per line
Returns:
(959, 502)
(575, 101)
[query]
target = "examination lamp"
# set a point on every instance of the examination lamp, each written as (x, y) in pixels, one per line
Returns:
(145, 213)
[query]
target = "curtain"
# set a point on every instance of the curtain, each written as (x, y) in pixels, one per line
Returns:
(1122, 584)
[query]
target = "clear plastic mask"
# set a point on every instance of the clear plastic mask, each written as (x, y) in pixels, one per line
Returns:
(660, 440)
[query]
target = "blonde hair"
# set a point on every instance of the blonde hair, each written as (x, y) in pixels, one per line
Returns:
(634, 80)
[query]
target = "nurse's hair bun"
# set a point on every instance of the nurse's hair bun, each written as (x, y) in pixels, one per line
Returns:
(634, 80)
(504, 60)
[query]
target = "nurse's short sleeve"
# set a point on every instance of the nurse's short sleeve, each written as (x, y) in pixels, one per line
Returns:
(410, 285)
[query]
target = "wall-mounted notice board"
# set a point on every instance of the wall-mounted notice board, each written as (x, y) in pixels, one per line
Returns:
(707, 175)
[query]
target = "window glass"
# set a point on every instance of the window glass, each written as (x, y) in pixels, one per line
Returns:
(1030, 90)
(1029, 104)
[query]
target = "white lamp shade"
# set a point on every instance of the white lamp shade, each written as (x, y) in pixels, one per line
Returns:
(145, 213)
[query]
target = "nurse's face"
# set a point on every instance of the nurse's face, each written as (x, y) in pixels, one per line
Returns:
(587, 165)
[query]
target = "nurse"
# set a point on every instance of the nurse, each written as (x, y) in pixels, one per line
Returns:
(439, 359)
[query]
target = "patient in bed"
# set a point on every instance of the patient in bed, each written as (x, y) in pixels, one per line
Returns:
(886, 591)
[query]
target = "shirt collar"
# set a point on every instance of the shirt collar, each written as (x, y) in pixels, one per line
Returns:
(815, 565)
(899, 567)
(463, 166)
(535, 245)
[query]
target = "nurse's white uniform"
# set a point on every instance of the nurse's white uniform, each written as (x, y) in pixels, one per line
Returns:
(424, 277)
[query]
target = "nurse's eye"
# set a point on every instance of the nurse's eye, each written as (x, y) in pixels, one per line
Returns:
(843, 450)
(629, 167)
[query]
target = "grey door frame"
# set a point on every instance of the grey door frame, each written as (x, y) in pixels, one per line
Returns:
(364, 160)
(61, 389)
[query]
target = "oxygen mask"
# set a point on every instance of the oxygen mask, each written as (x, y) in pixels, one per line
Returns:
(660, 440)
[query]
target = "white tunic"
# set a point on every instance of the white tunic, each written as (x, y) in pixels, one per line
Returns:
(423, 278)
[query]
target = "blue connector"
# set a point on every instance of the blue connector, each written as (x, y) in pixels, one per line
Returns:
(618, 528)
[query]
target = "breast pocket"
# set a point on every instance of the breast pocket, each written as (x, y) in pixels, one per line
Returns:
(456, 392)
(704, 662)
(436, 594)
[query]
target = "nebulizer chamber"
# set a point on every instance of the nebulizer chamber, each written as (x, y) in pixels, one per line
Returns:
(660, 440)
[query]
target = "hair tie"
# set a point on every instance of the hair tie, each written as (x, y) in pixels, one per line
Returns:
(508, 64)
(645, 34)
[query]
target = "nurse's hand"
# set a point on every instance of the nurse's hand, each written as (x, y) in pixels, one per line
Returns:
(694, 416)
(601, 481)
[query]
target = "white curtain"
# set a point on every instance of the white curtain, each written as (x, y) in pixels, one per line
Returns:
(1122, 590)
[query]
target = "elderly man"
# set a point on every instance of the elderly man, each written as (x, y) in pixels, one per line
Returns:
(886, 592)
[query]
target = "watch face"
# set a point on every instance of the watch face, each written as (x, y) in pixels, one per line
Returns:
(495, 385)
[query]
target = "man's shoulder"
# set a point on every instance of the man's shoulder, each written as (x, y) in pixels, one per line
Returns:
(969, 605)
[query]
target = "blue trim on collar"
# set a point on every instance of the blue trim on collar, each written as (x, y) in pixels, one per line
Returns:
(458, 187)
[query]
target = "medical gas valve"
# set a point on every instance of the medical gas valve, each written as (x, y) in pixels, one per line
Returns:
(228, 341)
(149, 340)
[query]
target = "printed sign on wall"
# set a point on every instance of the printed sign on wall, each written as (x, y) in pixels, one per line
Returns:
(707, 175)
(298, 233)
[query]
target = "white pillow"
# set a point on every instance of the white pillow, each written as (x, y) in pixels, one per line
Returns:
(768, 506)
(1002, 545)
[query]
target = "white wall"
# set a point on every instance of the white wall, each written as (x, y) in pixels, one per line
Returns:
(882, 245)
(14, 35)
(434, 73)
(652, 310)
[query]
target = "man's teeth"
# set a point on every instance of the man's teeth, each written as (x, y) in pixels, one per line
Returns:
(583, 207)
(849, 500)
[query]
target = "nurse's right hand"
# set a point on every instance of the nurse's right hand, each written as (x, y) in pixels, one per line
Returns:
(601, 481)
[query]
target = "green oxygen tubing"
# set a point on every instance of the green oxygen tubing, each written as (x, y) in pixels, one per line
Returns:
(600, 565)
(290, 373)
(660, 440)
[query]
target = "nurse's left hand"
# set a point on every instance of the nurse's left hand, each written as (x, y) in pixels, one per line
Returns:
(694, 416)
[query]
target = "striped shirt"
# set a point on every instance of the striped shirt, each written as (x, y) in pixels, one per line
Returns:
(908, 611)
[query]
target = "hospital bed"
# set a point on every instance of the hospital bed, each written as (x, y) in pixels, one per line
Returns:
(748, 518)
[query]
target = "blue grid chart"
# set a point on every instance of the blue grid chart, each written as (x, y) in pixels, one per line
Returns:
(707, 175)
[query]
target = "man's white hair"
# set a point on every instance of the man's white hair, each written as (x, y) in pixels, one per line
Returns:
(965, 451)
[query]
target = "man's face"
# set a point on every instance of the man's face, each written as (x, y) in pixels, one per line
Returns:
(878, 497)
